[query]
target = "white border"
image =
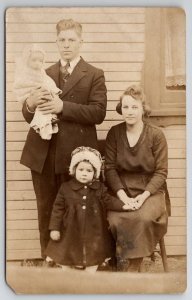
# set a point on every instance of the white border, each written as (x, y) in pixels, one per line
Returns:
(5, 291)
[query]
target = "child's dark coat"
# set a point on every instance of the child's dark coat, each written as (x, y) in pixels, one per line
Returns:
(79, 213)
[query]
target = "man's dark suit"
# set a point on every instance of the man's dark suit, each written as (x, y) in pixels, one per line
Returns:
(84, 105)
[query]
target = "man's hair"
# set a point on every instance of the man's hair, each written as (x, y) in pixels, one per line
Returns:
(66, 24)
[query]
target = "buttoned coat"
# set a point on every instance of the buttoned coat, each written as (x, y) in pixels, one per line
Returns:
(84, 106)
(79, 213)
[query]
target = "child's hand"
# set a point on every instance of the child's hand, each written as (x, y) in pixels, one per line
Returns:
(55, 235)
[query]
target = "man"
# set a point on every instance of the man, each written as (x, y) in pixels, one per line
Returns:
(81, 105)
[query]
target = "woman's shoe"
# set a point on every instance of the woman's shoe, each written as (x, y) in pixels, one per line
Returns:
(122, 265)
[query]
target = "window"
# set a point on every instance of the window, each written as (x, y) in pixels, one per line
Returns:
(164, 66)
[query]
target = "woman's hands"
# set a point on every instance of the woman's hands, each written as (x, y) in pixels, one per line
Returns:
(132, 203)
(140, 199)
(55, 235)
(128, 202)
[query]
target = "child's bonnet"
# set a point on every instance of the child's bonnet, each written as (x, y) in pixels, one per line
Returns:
(86, 154)
(26, 79)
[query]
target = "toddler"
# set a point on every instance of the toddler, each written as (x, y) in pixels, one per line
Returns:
(79, 229)
(30, 75)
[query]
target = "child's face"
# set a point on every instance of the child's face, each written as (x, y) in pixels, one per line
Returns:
(35, 60)
(84, 172)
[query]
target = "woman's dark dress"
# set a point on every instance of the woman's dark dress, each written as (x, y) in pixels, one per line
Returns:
(136, 169)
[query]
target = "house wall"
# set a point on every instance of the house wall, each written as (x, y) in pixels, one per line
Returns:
(114, 40)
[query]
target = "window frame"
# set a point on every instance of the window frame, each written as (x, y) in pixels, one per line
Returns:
(163, 102)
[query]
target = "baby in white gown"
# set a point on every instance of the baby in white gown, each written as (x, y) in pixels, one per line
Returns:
(30, 75)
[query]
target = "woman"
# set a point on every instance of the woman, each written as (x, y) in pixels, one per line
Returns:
(136, 172)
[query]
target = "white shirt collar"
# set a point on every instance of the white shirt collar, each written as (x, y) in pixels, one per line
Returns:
(73, 63)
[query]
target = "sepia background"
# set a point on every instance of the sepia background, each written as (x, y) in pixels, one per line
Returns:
(131, 45)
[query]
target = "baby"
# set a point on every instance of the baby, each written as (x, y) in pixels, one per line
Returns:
(30, 75)
(79, 230)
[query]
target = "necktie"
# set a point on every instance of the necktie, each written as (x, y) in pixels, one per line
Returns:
(65, 72)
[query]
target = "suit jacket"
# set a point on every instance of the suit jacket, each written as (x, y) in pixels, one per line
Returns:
(84, 106)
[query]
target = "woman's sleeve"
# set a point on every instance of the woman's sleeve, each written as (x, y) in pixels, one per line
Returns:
(160, 152)
(111, 175)
(58, 211)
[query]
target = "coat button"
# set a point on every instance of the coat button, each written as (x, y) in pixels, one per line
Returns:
(83, 207)
(85, 187)
(84, 197)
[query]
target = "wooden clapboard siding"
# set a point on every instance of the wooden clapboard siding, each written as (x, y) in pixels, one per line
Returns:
(22, 225)
(114, 40)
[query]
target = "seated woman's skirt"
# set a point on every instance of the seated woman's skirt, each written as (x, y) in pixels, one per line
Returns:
(137, 232)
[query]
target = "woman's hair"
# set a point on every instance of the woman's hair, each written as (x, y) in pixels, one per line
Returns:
(136, 92)
(67, 24)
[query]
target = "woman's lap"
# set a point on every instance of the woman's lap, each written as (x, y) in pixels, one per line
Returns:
(153, 207)
(137, 232)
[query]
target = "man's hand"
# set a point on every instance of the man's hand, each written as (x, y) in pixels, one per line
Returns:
(55, 235)
(51, 107)
(38, 97)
